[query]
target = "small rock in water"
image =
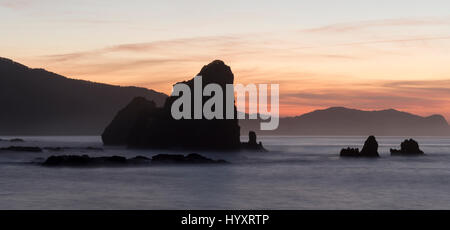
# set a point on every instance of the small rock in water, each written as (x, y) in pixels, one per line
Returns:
(252, 144)
(22, 149)
(408, 148)
(350, 152)
(370, 149)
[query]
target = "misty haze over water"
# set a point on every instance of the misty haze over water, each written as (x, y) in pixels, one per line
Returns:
(297, 173)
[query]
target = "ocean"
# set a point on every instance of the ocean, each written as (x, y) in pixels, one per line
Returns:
(297, 173)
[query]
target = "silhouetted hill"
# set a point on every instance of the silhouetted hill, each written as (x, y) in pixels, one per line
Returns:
(344, 121)
(38, 102)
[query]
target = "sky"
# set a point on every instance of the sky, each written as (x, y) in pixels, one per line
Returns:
(360, 54)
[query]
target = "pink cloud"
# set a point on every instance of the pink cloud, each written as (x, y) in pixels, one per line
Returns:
(357, 26)
(16, 4)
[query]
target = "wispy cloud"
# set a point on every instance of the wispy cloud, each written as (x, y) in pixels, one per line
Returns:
(361, 98)
(16, 4)
(381, 41)
(362, 25)
(160, 46)
(89, 21)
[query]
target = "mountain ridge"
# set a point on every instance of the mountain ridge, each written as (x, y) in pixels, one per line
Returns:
(349, 121)
(43, 70)
(40, 102)
(390, 110)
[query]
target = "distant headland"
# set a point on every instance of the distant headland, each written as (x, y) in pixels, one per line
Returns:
(340, 121)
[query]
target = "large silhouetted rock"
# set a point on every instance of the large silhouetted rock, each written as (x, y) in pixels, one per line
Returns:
(138, 111)
(370, 149)
(202, 133)
(408, 148)
(140, 125)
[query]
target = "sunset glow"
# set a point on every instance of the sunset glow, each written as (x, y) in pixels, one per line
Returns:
(378, 55)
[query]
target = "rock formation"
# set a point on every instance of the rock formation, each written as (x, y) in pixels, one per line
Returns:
(350, 152)
(127, 120)
(192, 158)
(142, 125)
(85, 161)
(220, 134)
(370, 149)
(252, 143)
(408, 148)
(22, 149)
(116, 161)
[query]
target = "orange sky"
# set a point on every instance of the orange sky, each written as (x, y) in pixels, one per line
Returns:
(364, 63)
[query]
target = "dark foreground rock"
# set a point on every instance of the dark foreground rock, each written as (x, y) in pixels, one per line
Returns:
(370, 149)
(22, 149)
(192, 158)
(119, 161)
(86, 161)
(408, 148)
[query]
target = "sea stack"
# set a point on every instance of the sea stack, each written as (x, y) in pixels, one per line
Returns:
(142, 125)
(408, 148)
(252, 143)
(370, 149)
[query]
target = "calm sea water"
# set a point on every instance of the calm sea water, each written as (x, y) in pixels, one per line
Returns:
(297, 173)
